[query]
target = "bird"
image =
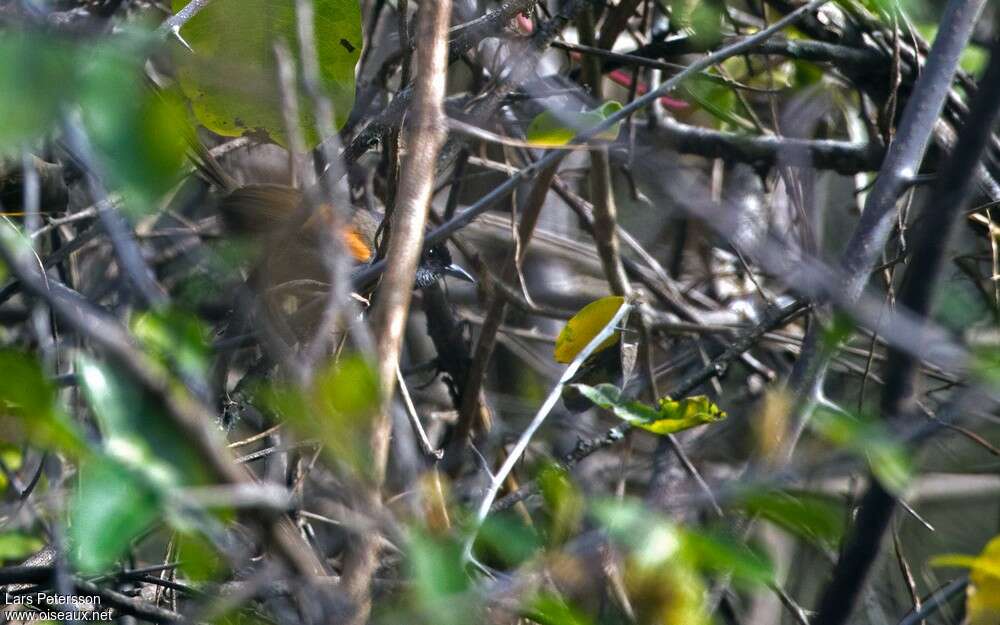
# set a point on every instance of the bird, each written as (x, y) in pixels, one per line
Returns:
(292, 241)
(289, 248)
(266, 211)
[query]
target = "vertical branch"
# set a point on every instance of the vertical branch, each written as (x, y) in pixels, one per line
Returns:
(601, 190)
(902, 162)
(944, 207)
(340, 306)
(130, 259)
(471, 406)
(423, 140)
(392, 141)
(301, 175)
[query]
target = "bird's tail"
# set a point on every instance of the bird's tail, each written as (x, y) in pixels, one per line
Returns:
(208, 166)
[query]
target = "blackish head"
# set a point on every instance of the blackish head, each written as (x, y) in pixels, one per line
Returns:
(435, 263)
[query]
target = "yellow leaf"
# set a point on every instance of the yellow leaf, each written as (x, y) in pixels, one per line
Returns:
(683, 414)
(584, 326)
(982, 601)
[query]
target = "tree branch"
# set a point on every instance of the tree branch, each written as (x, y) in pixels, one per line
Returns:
(502, 190)
(902, 162)
(423, 140)
(769, 150)
(943, 209)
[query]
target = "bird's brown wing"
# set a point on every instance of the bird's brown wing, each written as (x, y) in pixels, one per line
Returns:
(260, 210)
(267, 210)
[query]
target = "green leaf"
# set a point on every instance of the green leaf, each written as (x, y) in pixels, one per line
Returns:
(337, 410)
(137, 134)
(660, 569)
(199, 559)
(36, 78)
(12, 458)
(838, 331)
(814, 517)
(231, 77)
(556, 128)
(682, 414)
(974, 56)
(669, 417)
(15, 546)
(564, 504)
(654, 539)
(986, 365)
(505, 539)
(806, 74)
(887, 458)
(350, 388)
(608, 396)
(718, 100)
(439, 578)
(112, 506)
(136, 433)
(656, 542)
(28, 397)
(550, 609)
(725, 554)
(176, 339)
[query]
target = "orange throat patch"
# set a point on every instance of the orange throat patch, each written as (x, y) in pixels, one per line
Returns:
(356, 245)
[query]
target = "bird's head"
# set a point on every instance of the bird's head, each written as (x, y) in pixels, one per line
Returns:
(435, 263)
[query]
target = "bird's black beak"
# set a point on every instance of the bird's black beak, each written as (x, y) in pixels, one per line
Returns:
(455, 271)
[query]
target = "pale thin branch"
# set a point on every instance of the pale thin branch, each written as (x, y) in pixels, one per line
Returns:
(497, 480)
(424, 138)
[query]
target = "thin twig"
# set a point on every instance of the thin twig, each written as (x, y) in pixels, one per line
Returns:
(497, 480)
(502, 190)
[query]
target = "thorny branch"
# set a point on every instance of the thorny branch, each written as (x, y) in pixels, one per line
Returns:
(744, 149)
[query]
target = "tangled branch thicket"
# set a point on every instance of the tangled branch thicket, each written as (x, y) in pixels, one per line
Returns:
(561, 312)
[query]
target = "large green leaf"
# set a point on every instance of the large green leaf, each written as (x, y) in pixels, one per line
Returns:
(663, 562)
(177, 339)
(725, 554)
(887, 458)
(550, 609)
(506, 540)
(337, 409)
(136, 432)
(231, 77)
(28, 397)
(656, 541)
(36, 77)
(439, 578)
(17, 546)
(811, 516)
(137, 134)
(112, 506)
(564, 504)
